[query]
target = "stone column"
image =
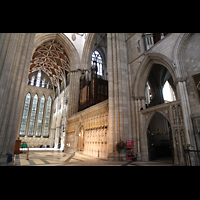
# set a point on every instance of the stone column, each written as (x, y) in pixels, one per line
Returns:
(189, 140)
(53, 130)
(57, 136)
(16, 49)
(73, 92)
(110, 141)
(137, 106)
(119, 97)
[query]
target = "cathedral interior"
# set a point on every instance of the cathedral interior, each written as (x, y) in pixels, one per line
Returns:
(91, 92)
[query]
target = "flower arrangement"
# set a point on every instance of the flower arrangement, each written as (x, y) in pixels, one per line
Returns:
(120, 145)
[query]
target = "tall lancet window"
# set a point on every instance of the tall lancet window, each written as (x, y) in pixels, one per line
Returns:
(32, 80)
(33, 115)
(25, 115)
(47, 118)
(97, 57)
(38, 78)
(40, 117)
(43, 82)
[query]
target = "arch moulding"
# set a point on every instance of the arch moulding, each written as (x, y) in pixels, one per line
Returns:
(145, 68)
(70, 49)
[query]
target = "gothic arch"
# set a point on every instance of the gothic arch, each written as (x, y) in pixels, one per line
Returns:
(80, 138)
(70, 49)
(145, 68)
(152, 115)
(88, 50)
(80, 125)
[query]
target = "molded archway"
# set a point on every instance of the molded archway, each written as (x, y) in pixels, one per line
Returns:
(145, 68)
(70, 49)
(159, 137)
(80, 137)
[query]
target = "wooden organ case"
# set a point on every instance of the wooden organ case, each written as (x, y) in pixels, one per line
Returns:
(92, 92)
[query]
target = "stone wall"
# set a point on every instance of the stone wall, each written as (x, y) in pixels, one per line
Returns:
(94, 122)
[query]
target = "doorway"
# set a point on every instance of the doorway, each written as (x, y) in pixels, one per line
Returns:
(160, 144)
(81, 139)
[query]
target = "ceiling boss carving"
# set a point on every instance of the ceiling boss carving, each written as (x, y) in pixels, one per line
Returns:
(51, 58)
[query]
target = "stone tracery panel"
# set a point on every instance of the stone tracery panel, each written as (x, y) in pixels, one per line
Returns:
(95, 123)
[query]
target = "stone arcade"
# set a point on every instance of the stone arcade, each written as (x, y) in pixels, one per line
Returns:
(88, 91)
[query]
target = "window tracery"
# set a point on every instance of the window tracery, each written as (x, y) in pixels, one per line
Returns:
(47, 118)
(96, 58)
(40, 117)
(41, 80)
(33, 115)
(25, 114)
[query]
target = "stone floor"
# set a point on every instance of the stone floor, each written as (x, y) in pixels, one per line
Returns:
(58, 158)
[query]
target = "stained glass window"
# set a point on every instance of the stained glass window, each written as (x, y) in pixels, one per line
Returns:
(33, 115)
(43, 82)
(25, 114)
(97, 57)
(47, 118)
(32, 80)
(40, 117)
(38, 78)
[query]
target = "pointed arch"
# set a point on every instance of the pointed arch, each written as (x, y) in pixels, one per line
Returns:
(145, 68)
(47, 117)
(151, 117)
(70, 49)
(25, 114)
(88, 50)
(40, 116)
(33, 115)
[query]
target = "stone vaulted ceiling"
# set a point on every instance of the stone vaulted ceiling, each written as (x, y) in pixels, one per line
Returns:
(51, 58)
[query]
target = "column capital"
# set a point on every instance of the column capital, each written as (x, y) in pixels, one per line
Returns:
(138, 97)
(180, 79)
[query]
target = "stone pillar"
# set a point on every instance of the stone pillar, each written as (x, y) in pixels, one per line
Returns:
(57, 136)
(53, 130)
(189, 140)
(110, 142)
(73, 92)
(119, 98)
(16, 49)
(137, 105)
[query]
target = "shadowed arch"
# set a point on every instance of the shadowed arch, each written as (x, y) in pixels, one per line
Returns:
(88, 49)
(145, 68)
(159, 137)
(151, 117)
